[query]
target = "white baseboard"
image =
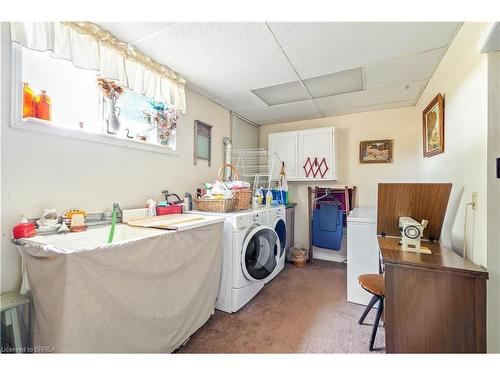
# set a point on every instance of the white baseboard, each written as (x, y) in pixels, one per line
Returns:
(330, 255)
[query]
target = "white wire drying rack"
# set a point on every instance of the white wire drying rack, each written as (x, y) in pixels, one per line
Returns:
(258, 167)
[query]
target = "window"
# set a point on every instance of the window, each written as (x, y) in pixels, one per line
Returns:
(56, 97)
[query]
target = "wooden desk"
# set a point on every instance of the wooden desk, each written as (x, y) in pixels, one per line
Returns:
(434, 303)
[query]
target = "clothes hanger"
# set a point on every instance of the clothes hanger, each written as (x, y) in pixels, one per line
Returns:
(323, 196)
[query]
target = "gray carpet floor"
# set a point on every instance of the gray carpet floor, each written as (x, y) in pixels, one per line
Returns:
(303, 310)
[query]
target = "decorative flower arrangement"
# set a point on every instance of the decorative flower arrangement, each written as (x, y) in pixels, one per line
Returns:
(112, 92)
(164, 119)
(110, 89)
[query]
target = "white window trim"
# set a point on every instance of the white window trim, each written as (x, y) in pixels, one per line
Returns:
(51, 128)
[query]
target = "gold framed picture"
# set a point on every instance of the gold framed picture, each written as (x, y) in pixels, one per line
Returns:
(378, 151)
(433, 127)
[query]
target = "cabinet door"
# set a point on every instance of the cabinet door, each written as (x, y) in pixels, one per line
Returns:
(316, 144)
(285, 145)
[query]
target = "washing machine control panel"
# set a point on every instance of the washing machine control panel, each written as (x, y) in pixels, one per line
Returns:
(247, 220)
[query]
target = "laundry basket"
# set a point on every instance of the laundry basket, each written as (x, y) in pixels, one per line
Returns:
(243, 197)
(215, 205)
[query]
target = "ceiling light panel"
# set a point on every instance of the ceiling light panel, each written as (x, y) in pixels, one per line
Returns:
(280, 94)
(320, 48)
(335, 83)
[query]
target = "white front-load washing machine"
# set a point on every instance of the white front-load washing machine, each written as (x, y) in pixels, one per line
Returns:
(277, 222)
(250, 256)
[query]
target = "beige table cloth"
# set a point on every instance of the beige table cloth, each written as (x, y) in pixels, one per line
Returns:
(142, 296)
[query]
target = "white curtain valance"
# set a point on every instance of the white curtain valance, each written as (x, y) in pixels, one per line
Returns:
(88, 46)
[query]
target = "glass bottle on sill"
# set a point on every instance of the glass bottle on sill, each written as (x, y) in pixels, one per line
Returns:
(43, 106)
(28, 100)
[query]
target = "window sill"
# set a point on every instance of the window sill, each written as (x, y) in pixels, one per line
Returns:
(47, 127)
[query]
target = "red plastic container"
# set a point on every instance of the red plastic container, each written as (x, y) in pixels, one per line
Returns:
(167, 210)
(24, 230)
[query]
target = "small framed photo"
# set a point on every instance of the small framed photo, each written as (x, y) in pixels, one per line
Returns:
(378, 151)
(433, 127)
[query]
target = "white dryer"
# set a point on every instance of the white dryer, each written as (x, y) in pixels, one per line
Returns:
(250, 257)
(277, 221)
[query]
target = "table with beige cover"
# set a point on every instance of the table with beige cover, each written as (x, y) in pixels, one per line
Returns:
(142, 296)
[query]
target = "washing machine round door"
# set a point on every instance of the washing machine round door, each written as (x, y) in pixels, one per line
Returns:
(280, 229)
(259, 253)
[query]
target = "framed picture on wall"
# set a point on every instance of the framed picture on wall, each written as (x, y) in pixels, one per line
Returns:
(433, 127)
(378, 151)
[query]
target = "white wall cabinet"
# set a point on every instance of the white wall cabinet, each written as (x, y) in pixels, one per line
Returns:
(285, 145)
(314, 148)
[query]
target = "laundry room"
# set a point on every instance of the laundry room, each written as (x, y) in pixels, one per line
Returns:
(224, 187)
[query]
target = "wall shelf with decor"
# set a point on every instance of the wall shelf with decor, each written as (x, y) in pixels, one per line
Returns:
(53, 96)
(309, 155)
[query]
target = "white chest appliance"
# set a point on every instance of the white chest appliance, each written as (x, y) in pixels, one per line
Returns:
(362, 251)
(250, 257)
(277, 221)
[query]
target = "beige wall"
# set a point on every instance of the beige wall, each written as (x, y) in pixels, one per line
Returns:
(462, 79)
(243, 134)
(493, 204)
(42, 171)
(396, 124)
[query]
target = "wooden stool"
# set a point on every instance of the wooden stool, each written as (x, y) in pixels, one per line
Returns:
(9, 302)
(374, 284)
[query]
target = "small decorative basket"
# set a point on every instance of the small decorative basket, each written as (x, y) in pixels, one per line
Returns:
(243, 197)
(299, 257)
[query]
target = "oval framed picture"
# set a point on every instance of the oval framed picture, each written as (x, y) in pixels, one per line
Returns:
(433, 127)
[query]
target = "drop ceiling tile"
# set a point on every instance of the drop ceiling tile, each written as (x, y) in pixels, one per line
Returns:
(239, 101)
(290, 119)
(317, 49)
(403, 69)
(396, 93)
(285, 93)
(369, 108)
(221, 58)
(335, 83)
(281, 111)
(132, 31)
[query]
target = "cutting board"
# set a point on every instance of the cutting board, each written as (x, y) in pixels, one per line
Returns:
(164, 221)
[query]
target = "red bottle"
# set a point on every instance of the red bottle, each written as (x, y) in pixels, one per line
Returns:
(43, 106)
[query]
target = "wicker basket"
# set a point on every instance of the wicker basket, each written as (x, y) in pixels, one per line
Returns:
(215, 205)
(299, 257)
(299, 262)
(243, 196)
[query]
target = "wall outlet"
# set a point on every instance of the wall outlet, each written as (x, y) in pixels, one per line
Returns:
(474, 201)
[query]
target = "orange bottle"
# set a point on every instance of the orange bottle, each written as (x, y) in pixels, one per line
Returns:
(28, 101)
(43, 106)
